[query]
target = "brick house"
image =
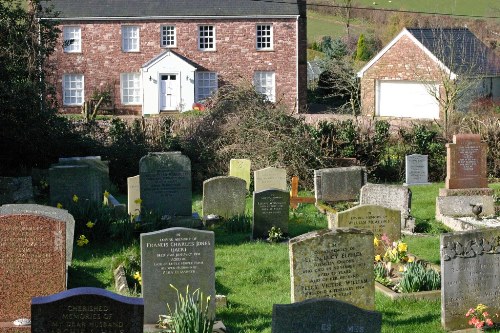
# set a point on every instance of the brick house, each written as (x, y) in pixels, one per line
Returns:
(164, 55)
(407, 76)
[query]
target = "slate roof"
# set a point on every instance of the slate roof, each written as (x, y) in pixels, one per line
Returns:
(82, 9)
(459, 50)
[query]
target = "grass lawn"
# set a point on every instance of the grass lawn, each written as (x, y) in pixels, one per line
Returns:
(255, 275)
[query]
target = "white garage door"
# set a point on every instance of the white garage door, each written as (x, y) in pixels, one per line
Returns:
(406, 99)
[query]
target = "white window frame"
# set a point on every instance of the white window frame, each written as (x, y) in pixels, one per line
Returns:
(130, 38)
(264, 37)
(73, 89)
(168, 36)
(73, 36)
(265, 83)
(206, 37)
(206, 84)
(130, 88)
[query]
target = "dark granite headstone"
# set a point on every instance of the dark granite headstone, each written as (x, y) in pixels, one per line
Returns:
(15, 190)
(324, 315)
(224, 196)
(470, 274)
(83, 310)
(165, 184)
(180, 257)
(339, 184)
(270, 209)
(79, 180)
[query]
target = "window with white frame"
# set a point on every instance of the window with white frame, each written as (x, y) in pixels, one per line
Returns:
(130, 87)
(130, 38)
(264, 37)
(206, 84)
(168, 36)
(264, 84)
(72, 39)
(206, 37)
(73, 89)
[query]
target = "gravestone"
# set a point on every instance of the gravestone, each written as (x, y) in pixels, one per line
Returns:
(180, 257)
(470, 271)
(94, 162)
(339, 184)
(240, 168)
(224, 196)
(324, 315)
(165, 184)
(15, 190)
(80, 180)
(87, 310)
(270, 209)
(269, 178)
(32, 262)
(389, 196)
(417, 169)
(379, 220)
(459, 206)
(333, 263)
(466, 166)
(133, 195)
(56, 213)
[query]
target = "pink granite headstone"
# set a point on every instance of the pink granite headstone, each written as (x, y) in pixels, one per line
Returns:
(32, 263)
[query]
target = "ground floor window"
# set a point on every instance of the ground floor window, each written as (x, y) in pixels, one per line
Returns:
(206, 84)
(73, 89)
(264, 84)
(130, 87)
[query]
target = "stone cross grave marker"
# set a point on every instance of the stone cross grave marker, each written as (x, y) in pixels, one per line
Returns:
(165, 184)
(270, 209)
(466, 162)
(269, 178)
(324, 315)
(32, 262)
(224, 196)
(133, 195)
(339, 184)
(470, 271)
(180, 257)
(417, 169)
(240, 168)
(389, 196)
(333, 263)
(379, 220)
(87, 310)
(56, 213)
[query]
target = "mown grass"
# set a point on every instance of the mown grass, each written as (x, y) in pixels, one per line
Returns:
(254, 275)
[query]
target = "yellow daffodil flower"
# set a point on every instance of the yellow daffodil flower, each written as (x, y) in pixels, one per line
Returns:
(378, 258)
(138, 201)
(59, 205)
(402, 247)
(376, 242)
(90, 224)
(82, 240)
(106, 194)
(75, 198)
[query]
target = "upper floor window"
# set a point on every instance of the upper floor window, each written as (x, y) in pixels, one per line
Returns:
(264, 84)
(168, 36)
(206, 37)
(73, 89)
(206, 84)
(130, 38)
(130, 84)
(72, 39)
(264, 37)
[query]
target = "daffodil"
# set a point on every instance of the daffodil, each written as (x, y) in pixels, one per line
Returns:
(138, 277)
(138, 201)
(402, 247)
(59, 205)
(376, 242)
(411, 259)
(75, 198)
(82, 240)
(106, 194)
(377, 257)
(90, 224)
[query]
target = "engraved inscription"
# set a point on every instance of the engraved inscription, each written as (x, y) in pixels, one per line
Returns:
(468, 157)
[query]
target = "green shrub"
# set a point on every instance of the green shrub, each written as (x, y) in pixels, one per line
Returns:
(417, 277)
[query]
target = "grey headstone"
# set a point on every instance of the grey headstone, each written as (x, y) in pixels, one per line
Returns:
(339, 184)
(93, 162)
(56, 213)
(180, 257)
(87, 310)
(470, 271)
(79, 180)
(270, 209)
(269, 178)
(165, 183)
(461, 205)
(333, 263)
(224, 196)
(324, 315)
(133, 195)
(417, 169)
(15, 190)
(390, 196)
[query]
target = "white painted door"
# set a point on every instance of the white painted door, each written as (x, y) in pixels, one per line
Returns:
(407, 99)
(169, 91)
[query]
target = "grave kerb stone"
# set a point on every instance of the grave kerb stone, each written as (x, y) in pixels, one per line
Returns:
(459, 206)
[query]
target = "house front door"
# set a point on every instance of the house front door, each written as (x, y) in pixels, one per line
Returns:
(169, 91)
